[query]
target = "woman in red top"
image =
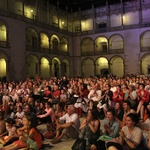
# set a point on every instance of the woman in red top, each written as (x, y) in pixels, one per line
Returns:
(118, 96)
(143, 99)
(31, 139)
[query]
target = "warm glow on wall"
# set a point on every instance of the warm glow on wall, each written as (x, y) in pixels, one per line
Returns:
(2, 67)
(3, 33)
(28, 12)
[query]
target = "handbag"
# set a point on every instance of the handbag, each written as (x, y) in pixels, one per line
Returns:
(79, 144)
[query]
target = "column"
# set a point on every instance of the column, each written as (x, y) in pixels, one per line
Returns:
(95, 69)
(50, 69)
(93, 11)
(122, 12)
(108, 15)
(59, 75)
(23, 8)
(48, 14)
(58, 12)
(80, 19)
(39, 68)
(140, 11)
(36, 9)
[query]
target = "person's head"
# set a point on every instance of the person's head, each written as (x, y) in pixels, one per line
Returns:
(124, 86)
(9, 122)
(19, 108)
(132, 120)
(141, 86)
(92, 114)
(27, 108)
(131, 88)
(48, 88)
(42, 106)
(126, 105)
(107, 86)
(137, 85)
(55, 87)
(70, 109)
(37, 103)
(118, 87)
(29, 121)
(118, 106)
(48, 104)
(110, 114)
(60, 106)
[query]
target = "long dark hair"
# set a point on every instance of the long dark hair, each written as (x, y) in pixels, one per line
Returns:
(134, 117)
(31, 119)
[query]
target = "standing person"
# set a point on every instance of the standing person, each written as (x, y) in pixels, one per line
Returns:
(130, 135)
(70, 127)
(30, 139)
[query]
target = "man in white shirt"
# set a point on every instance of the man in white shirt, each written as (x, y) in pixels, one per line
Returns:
(70, 127)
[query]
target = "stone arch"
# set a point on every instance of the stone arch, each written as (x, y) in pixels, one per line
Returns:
(117, 66)
(116, 43)
(32, 66)
(145, 64)
(87, 46)
(87, 67)
(102, 66)
(65, 67)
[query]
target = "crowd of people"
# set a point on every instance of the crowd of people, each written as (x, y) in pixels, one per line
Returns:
(123, 105)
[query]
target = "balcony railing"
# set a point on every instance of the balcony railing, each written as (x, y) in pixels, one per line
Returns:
(36, 22)
(46, 50)
(145, 48)
(103, 52)
(4, 44)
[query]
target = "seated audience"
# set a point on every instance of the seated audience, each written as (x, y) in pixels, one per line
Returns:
(51, 128)
(143, 100)
(70, 127)
(119, 113)
(10, 134)
(130, 135)
(49, 115)
(81, 103)
(2, 123)
(127, 110)
(106, 99)
(30, 139)
(90, 128)
(118, 96)
(110, 127)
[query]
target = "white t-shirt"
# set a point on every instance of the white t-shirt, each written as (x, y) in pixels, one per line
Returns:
(72, 118)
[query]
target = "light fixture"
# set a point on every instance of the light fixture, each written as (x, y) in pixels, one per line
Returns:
(31, 10)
